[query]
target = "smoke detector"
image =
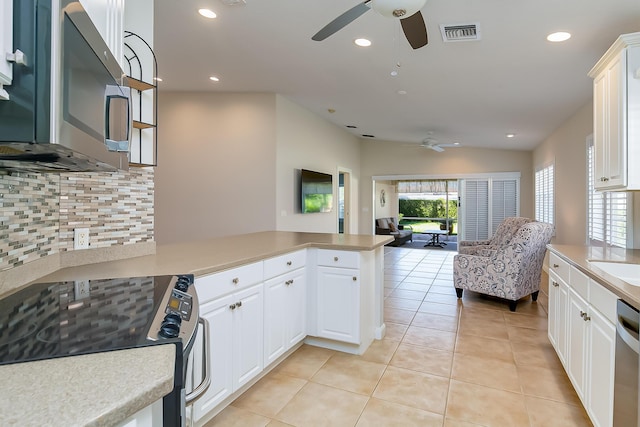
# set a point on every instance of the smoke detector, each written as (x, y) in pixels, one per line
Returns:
(460, 32)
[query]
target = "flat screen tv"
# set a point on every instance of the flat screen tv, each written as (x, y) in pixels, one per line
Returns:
(316, 189)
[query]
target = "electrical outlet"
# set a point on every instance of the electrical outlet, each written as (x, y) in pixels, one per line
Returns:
(81, 289)
(81, 238)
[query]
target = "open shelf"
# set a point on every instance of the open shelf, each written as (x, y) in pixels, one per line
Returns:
(141, 78)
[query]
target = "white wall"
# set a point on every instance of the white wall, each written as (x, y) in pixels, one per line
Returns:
(567, 148)
(384, 158)
(216, 173)
(390, 208)
(307, 141)
(229, 164)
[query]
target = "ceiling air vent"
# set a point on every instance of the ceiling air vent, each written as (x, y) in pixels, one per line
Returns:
(460, 32)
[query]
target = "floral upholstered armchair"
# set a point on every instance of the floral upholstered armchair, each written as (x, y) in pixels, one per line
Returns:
(511, 271)
(503, 234)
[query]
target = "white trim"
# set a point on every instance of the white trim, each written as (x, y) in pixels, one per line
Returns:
(485, 175)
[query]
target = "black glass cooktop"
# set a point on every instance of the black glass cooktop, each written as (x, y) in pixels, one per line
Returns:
(66, 318)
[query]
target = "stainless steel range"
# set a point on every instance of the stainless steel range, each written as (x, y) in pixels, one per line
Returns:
(62, 319)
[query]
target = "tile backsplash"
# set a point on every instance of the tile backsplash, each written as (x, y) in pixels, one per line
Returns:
(38, 212)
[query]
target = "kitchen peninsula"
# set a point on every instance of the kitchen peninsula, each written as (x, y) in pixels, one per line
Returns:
(319, 259)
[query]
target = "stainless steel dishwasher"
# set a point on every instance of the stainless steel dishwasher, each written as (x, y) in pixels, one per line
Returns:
(625, 397)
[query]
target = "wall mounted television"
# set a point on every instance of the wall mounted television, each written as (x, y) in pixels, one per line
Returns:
(316, 190)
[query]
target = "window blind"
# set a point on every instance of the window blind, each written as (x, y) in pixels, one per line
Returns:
(544, 189)
(607, 212)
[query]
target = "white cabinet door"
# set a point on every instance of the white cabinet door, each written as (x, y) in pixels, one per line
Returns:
(6, 42)
(558, 307)
(600, 372)
(296, 309)
(248, 341)
(275, 305)
(338, 304)
(220, 319)
(577, 342)
(616, 101)
(285, 314)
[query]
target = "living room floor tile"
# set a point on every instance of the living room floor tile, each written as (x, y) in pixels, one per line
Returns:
(320, 405)
(432, 338)
(423, 359)
(436, 321)
(380, 413)
(415, 389)
(486, 406)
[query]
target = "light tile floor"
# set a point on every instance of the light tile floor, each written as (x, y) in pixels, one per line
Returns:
(443, 362)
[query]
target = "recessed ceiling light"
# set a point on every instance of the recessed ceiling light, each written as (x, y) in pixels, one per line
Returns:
(207, 13)
(362, 42)
(158, 79)
(456, 143)
(559, 36)
(214, 79)
(511, 135)
(402, 92)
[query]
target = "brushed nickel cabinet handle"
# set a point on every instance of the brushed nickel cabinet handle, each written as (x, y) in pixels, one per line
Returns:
(335, 258)
(555, 284)
(235, 280)
(355, 278)
(232, 306)
(239, 304)
(289, 263)
(555, 266)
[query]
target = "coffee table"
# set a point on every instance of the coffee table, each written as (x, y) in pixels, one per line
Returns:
(435, 238)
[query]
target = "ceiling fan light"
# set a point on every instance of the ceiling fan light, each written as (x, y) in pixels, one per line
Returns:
(397, 8)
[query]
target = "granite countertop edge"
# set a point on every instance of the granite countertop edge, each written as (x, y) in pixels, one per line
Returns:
(579, 257)
(64, 390)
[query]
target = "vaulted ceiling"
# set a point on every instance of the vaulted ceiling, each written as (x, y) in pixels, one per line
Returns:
(511, 80)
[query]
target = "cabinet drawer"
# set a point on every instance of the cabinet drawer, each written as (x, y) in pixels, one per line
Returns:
(224, 282)
(580, 283)
(559, 266)
(603, 300)
(343, 259)
(281, 264)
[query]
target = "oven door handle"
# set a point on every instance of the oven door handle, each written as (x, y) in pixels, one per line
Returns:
(206, 366)
(626, 331)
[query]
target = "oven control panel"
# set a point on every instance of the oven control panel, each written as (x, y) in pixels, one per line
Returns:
(180, 303)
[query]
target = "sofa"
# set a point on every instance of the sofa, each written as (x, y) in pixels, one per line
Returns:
(389, 226)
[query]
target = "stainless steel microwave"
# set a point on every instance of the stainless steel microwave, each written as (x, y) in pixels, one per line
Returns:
(68, 106)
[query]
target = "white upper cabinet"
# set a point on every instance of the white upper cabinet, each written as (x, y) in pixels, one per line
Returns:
(6, 45)
(108, 17)
(616, 94)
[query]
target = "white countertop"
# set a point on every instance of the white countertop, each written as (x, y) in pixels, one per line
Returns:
(579, 256)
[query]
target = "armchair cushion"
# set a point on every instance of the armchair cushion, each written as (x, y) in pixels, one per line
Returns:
(502, 236)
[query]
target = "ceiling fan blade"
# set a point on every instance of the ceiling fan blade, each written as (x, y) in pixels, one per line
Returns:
(415, 30)
(342, 21)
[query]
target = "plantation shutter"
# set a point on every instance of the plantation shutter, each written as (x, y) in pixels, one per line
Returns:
(474, 204)
(607, 212)
(504, 201)
(544, 194)
(485, 203)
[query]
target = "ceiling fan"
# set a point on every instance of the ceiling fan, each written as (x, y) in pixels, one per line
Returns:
(408, 11)
(433, 144)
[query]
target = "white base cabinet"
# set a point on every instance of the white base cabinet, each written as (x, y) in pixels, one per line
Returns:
(285, 314)
(235, 336)
(259, 312)
(338, 299)
(581, 329)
